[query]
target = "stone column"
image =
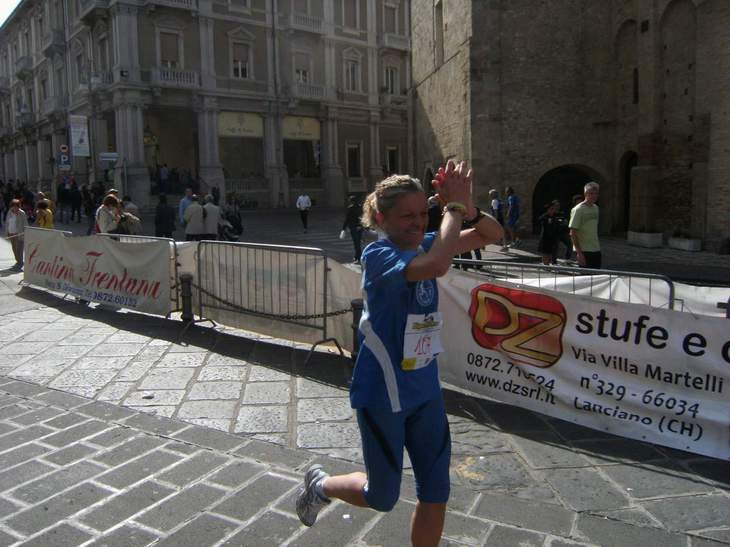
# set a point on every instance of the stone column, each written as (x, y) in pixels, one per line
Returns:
(376, 168)
(19, 162)
(126, 42)
(331, 172)
(45, 168)
(274, 162)
(210, 169)
(131, 174)
(29, 158)
(207, 53)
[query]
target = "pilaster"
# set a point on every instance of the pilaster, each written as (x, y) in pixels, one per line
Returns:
(333, 179)
(207, 52)
(210, 169)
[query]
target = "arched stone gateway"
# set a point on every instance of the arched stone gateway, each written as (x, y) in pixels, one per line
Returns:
(561, 183)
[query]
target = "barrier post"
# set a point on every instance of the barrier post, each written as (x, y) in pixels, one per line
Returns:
(186, 294)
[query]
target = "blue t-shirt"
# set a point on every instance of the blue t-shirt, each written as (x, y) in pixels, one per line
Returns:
(378, 381)
(513, 203)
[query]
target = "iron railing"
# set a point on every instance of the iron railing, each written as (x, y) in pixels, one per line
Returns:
(547, 278)
(275, 282)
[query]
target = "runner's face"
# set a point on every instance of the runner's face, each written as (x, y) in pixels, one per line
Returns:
(406, 222)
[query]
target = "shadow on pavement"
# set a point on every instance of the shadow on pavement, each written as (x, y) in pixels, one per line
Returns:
(544, 442)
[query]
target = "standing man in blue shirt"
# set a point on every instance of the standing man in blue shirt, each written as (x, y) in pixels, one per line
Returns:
(513, 218)
(395, 388)
(184, 204)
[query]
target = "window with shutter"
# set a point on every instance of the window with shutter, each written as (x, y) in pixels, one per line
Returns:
(301, 68)
(240, 60)
(169, 53)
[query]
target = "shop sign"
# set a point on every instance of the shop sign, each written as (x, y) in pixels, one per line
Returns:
(298, 128)
(240, 124)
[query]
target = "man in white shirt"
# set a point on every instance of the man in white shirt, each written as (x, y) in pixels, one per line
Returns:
(129, 206)
(194, 219)
(211, 218)
(15, 228)
(304, 204)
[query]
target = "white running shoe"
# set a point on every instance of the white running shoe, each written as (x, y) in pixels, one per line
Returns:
(309, 503)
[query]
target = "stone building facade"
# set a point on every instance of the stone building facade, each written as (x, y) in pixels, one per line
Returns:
(263, 97)
(545, 96)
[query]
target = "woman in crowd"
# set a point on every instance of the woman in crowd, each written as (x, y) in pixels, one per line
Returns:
(107, 216)
(43, 215)
(395, 388)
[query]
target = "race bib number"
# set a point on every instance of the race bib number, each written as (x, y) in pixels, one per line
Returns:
(422, 340)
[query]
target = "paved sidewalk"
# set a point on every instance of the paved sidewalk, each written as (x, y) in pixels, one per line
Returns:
(246, 418)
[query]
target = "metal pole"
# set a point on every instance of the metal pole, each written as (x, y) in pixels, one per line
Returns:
(186, 293)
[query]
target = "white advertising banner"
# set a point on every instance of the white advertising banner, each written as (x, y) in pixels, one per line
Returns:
(649, 374)
(99, 269)
(79, 130)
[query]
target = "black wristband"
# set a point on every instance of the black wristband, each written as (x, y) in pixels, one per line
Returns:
(471, 222)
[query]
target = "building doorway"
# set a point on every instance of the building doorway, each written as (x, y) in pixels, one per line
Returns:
(563, 183)
(628, 162)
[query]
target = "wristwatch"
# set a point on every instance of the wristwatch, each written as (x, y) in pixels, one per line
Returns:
(472, 221)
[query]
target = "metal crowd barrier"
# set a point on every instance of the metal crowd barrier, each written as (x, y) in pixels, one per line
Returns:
(174, 277)
(276, 282)
(517, 272)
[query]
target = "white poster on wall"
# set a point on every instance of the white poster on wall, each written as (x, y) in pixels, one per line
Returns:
(649, 374)
(99, 269)
(79, 130)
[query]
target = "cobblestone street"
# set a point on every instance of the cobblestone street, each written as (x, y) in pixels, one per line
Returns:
(113, 431)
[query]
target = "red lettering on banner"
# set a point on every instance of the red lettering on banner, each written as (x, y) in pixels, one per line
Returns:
(91, 277)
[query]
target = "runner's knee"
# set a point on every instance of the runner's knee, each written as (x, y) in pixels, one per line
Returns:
(382, 499)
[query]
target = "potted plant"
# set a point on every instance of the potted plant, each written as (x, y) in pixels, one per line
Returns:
(644, 238)
(683, 241)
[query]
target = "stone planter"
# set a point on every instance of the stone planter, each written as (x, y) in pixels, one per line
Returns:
(685, 244)
(645, 239)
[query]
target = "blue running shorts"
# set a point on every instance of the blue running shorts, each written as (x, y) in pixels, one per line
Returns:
(424, 431)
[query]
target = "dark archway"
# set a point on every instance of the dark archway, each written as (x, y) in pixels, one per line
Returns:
(628, 162)
(561, 183)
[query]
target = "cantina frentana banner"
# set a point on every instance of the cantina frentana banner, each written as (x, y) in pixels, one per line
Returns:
(649, 374)
(99, 269)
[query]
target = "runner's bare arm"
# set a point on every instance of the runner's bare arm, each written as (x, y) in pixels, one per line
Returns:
(454, 186)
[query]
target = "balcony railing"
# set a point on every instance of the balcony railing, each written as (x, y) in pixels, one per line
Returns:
(52, 105)
(24, 119)
(24, 66)
(183, 4)
(170, 77)
(306, 23)
(395, 41)
(309, 91)
(54, 41)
